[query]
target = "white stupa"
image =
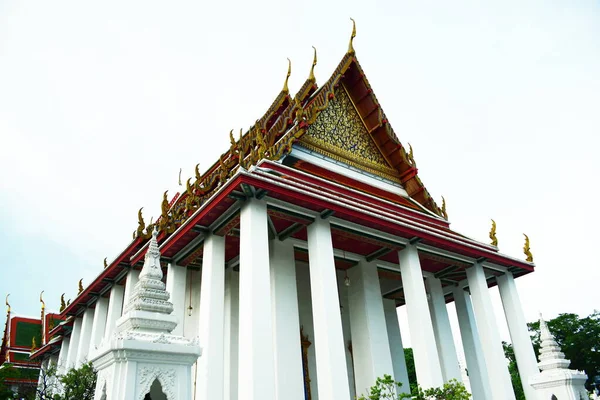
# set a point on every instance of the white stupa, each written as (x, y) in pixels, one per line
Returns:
(556, 380)
(142, 359)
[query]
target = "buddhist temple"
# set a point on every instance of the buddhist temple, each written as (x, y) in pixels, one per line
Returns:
(286, 261)
(21, 336)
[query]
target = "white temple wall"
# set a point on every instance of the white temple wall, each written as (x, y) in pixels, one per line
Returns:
(231, 334)
(190, 322)
(176, 284)
(306, 322)
(345, 311)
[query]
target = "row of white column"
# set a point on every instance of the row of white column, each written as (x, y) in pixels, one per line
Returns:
(250, 324)
(250, 332)
(94, 325)
(433, 345)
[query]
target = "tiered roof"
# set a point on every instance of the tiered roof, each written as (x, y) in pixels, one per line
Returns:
(19, 335)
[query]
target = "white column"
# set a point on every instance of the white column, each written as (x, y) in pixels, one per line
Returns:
(493, 354)
(443, 333)
(74, 344)
(396, 347)
(478, 377)
(289, 379)
(256, 374)
(519, 334)
(427, 362)
(209, 383)
(345, 314)
(115, 309)
(370, 343)
(62, 355)
(133, 276)
(232, 302)
(176, 283)
(98, 324)
(84, 339)
(329, 338)
(306, 324)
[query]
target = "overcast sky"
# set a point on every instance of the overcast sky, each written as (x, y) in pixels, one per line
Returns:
(101, 104)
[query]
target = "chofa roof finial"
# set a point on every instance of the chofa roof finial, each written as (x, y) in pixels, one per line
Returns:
(7, 304)
(311, 77)
(287, 77)
(493, 236)
(350, 47)
(443, 210)
(527, 250)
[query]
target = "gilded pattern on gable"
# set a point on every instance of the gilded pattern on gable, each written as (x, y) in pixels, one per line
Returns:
(339, 131)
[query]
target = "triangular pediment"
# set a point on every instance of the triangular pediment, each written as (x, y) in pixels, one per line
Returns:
(340, 133)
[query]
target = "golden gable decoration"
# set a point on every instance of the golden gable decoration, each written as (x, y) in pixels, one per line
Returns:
(339, 133)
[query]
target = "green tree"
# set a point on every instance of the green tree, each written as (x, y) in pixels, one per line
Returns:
(79, 384)
(6, 371)
(410, 368)
(515, 378)
(76, 384)
(385, 389)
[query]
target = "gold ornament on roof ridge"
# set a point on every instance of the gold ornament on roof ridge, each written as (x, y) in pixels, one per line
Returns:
(311, 77)
(105, 262)
(141, 223)
(33, 344)
(80, 287)
(287, 77)
(179, 181)
(350, 47)
(7, 304)
(527, 249)
(411, 156)
(493, 234)
(443, 210)
(63, 305)
(197, 172)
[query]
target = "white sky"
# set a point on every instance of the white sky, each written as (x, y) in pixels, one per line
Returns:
(101, 104)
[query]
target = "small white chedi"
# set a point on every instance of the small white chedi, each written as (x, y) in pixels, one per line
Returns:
(556, 380)
(142, 357)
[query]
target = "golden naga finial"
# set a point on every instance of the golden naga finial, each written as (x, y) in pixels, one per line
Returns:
(287, 77)
(411, 156)
(33, 344)
(164, 205)
(188, 187)
(141, 223)
(231, 138)
(443, 210)
(527, 250)
(80, 287)
(493, 234)
(311, 77)
(350, 47)
(105, 262)
(197, 171)
(7, 304)
(63, 305)
(180, 177)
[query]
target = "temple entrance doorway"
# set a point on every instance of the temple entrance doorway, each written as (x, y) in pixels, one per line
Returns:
(156, 392)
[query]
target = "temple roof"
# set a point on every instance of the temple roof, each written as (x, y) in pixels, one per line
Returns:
(367, 143)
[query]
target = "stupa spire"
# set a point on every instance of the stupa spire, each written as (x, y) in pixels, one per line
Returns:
(150, 293)
(551, 356)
